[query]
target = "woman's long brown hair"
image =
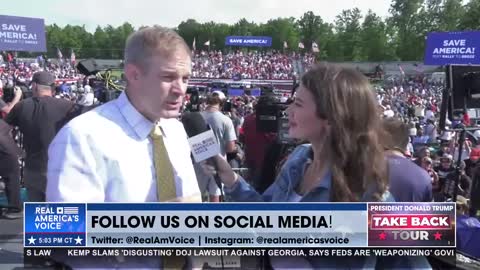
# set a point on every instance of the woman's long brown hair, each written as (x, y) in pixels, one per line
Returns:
(346, 99)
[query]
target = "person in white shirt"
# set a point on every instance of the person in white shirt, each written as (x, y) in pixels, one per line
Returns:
(105, 155)
(88, 97)
(388, 112)
(420, 110)
(429, 114)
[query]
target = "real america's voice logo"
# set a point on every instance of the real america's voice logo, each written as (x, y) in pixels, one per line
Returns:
(54, 224)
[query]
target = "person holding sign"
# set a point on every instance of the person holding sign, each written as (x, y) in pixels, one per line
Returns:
(336, 112)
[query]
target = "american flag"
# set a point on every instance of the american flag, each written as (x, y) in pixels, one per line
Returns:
(67, 210)
(72, 57)
(315, 47)
(401, 70)
(59, 54)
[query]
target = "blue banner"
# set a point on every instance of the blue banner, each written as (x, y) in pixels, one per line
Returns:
(256, 92)
(249, 41)
(55, 224)
(239, 225)
(444, 48)
(22, 34)
(235, 92)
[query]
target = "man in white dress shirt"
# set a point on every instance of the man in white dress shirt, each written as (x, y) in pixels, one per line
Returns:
(105, 155)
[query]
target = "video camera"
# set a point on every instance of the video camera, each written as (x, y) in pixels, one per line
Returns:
(271, 117)
(9, 91)
(194, 105)
(460, 96)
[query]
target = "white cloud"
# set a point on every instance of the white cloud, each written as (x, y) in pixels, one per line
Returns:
(171, 13)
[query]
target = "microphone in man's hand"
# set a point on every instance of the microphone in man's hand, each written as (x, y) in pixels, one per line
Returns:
(202, 140)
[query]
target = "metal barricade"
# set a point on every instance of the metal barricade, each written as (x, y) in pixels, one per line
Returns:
(243, 172)
(18, 138)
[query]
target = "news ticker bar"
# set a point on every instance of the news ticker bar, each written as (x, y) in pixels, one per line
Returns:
(239, 225)
(283, 252)
(232, 257)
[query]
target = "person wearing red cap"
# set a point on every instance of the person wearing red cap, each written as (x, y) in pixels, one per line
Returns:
(471, 162)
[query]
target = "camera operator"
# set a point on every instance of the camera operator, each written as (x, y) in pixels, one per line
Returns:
(427, 165)
(464, 185)
(258, 144)
(194, 104)
(475, 191)
(472, 161)
(39, 118)
(10, 171)
(443, 170)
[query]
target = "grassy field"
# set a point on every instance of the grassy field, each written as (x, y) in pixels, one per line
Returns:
(117, 73)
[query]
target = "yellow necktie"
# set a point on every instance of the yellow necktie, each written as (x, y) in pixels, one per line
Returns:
(163, 167)
(165, 185)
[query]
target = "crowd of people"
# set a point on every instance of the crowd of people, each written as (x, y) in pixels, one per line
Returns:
(307, 60)
(21, 70)
(366, 143)
(269, 65)
(414, 101)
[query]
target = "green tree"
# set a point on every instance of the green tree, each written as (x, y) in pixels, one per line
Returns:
(54, 40)
(429, 16)
(404, 21)
(309, 26)
(471, 18)
(398, 37)
(348, 29)
(189, 30)
(101, 43)
(208, 33)
(452, 14)
(374, 39)
(244, 28)
(222, 30)
(118, 37)
(282, 30)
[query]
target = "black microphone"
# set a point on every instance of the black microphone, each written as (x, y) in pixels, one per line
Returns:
(195, 124)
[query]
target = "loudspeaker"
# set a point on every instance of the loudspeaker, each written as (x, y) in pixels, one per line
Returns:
(88, 67)
(92, 66)
(459, 85)
(444, 108)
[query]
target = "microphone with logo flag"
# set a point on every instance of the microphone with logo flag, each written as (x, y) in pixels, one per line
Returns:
(202, 140)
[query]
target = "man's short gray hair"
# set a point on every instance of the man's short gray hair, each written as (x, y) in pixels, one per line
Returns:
(149, 41)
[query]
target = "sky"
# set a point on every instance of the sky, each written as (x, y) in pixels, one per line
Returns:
(170, 13)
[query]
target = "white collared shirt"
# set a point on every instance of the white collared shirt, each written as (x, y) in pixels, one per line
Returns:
(105, 155)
